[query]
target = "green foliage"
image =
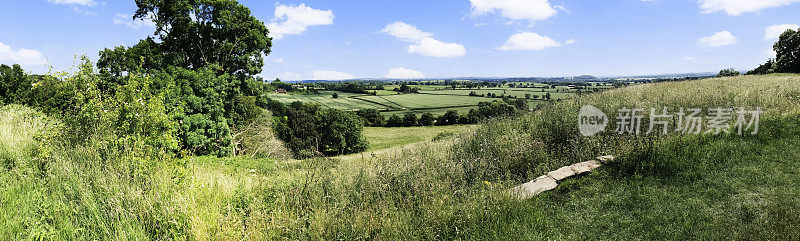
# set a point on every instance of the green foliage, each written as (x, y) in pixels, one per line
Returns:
(787, 59)
(194, 35)
(728, 72)
(406, 89)
(449, 118)
(394, 121)
(15, 85)
(765, 68)
(426, 119)
(349, 87)
(308, 131)
(410, 119)
(198, 103)
(340, 132)
(371, 117)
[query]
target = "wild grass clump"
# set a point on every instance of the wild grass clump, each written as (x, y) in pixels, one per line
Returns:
(55, 190)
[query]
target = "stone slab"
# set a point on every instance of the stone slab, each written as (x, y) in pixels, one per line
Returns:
(584, 167)
(605, 159)
(533, 188)
(561, 174)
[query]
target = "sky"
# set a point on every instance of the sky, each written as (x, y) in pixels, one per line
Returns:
(343, 39)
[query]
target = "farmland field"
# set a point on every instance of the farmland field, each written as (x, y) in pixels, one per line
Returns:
(434, 99)
(344, 102)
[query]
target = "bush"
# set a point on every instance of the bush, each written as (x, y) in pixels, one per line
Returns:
(426, 119)
(451, 117)
(394, 121)
(728, 72)
(310, 131)
(410, 119)
(371, 117)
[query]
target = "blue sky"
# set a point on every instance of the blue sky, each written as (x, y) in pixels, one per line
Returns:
(335, 39)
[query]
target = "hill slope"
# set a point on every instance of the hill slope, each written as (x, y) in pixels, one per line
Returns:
(679, 186)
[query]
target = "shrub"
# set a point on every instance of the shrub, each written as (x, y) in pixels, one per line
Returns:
(410, 119)
(310, 131)
(394, 121)
(451, 117)
(426, 119)
(728, 72)
(371, 117)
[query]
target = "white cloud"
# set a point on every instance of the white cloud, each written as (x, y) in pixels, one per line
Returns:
(738, 7)
(435, 48)
(84, 12)
(570, 41)
(278, 60)
(718, 40)
(79, 2)
(403, 73)
(530, 41)
(775, 31)
(296, 19)
(26, 57)
(690, 58)
(515, 9)
(423, 43)
(405, 32)
(331, 75)
(128, 20)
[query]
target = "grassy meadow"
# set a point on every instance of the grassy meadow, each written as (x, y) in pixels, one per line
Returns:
(387, 137)
(704, 186)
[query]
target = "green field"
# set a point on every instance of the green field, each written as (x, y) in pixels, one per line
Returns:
(387, 137)
(435, 99)
(325, 98)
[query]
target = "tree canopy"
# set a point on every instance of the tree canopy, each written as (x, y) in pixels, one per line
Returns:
(194, 34)
(787, 55)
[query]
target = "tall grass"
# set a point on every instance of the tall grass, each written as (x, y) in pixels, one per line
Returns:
(525, 147)
(454, 189)
(56, 191)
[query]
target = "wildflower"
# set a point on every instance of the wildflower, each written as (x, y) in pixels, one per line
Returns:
(487, 183)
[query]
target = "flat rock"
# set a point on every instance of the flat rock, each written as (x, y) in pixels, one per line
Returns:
(605, 159)
(561, 174)
(584, 167)
(533, 188)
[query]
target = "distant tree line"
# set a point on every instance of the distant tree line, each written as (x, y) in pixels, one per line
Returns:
(485, 110)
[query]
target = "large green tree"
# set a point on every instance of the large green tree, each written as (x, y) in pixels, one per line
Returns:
(787, 49)
(195, 34)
